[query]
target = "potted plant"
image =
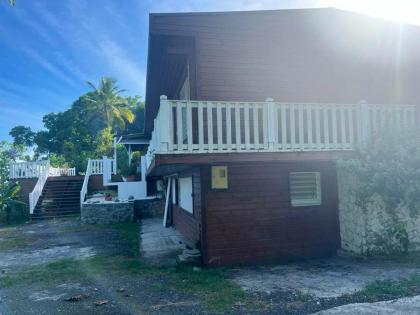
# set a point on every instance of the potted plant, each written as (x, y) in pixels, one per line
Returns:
(109, 195)
(129, 173)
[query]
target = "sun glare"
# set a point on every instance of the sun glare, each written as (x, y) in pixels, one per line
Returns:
(405, 11)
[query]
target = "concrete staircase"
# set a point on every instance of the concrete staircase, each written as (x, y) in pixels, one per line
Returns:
(60, 198)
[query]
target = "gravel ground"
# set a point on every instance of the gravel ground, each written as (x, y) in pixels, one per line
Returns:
(300, 288)
(51, 241)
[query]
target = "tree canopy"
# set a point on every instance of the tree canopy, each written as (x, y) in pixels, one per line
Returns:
(87, 128)
(22, 135)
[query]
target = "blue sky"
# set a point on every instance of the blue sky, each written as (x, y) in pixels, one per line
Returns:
(50, 48)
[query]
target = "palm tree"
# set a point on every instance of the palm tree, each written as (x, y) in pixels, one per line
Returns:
(107, 101)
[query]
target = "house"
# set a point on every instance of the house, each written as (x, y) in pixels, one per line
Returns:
(248, 112)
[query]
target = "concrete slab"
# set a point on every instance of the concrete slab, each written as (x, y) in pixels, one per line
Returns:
(405, 306)
(159, 245)
(326, 278)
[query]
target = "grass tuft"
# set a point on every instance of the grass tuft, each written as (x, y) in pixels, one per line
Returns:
(391, 289)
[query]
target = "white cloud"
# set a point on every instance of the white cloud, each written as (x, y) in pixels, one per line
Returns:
(49, 66)
(122, 67)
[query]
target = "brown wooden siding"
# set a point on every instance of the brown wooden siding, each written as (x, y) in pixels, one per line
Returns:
(27, 185)
(314, 55)
(253, 221)
(189, 225)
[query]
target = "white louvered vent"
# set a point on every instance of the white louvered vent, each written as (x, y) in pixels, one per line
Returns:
(305, 189)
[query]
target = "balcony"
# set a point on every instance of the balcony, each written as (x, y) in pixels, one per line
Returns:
(187, 127)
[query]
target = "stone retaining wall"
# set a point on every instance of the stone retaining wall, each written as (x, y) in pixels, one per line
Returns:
(149, 208)
(363, 229)
(106, 213)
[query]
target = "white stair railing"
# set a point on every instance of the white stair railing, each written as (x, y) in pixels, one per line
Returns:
(39, 186)
(97, 167)
(83, 192)
(103, 167)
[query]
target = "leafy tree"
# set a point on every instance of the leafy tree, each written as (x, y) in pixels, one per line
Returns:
(22, 136)
(87, 128)
(107, 103)
(138, 109)
(104, 143)
(57, 160)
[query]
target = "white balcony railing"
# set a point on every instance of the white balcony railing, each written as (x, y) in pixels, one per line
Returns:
(57, 171)
(37, 169)
(27, 169)
(211, 127)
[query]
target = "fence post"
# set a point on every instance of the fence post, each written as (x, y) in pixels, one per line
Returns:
(164, 125)
(365, 125)
(143, 168)
(271, 123)
(114, 171)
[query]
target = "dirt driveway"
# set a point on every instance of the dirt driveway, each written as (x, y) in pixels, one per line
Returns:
(68, 268)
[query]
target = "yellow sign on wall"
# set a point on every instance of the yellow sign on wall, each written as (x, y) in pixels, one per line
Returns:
(219, 177)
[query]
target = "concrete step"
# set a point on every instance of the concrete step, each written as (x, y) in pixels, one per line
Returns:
(189, 257)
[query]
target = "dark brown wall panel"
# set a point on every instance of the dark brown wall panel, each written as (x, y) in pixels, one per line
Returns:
(26, 187)
(253, 221)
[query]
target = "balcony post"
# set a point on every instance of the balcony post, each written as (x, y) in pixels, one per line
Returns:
(163, 125)
(271, 123)
(365, 126)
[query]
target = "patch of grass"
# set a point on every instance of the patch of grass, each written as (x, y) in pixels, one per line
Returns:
(12, 243)
(220, 294)
(391, 289)
(130, 233)
(61, 270)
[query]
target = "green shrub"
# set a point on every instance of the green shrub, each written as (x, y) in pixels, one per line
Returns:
(388, 168)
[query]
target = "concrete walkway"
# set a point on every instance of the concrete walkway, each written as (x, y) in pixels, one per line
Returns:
(405, 306)
(159, 245)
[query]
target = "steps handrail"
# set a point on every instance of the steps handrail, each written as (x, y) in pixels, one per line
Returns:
(83, 192)
(39, 186)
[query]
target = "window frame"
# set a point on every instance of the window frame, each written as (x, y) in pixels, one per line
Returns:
(307, 203)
